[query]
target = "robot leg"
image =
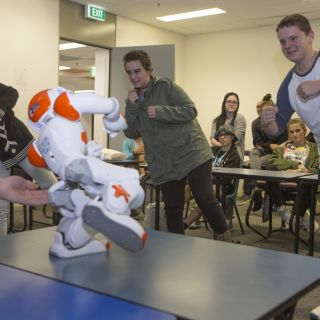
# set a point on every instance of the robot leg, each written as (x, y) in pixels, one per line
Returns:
(121, 229)
(73, 239)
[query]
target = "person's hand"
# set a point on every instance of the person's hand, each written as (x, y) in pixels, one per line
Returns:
(273, 146)
(268, 115)
(139, 149)
(302, 168)
(133, 96)
(151, 111)
(308, 89)
(20, 190)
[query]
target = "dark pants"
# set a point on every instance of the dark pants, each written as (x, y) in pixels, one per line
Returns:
(200, 182)
(276, 193)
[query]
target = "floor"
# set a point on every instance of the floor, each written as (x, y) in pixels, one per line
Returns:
(280, 241)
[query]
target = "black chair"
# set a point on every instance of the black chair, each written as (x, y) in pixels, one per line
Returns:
(289, 191)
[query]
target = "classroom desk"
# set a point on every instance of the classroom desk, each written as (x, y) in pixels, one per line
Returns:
(125, 163)
(190, 277)
(313, 181)
(266, 175)
(24, 295)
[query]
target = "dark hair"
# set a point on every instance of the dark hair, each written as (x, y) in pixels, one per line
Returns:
(221, 119)
(140, 55)
(295, 20)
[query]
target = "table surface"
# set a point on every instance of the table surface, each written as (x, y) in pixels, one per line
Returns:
(191, 277)
(258, 174)
(30, 293)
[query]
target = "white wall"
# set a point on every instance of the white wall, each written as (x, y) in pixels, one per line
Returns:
(29, 50)
(147, 35)
(248, 62)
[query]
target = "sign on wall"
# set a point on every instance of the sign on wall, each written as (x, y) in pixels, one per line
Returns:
(94, 12)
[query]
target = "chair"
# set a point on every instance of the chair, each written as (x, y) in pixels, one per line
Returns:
(231, 199)
(289, 191)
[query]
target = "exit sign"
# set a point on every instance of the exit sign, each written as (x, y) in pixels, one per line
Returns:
(94, 12)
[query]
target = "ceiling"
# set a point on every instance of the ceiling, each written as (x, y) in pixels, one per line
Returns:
(239, 13)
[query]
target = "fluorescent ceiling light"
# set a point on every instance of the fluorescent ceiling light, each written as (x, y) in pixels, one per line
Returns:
(191, 14)
(64, 68)
(70, 45)
(84, 91)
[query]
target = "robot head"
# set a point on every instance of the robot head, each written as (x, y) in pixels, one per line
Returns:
(40, 109)
(39, 105)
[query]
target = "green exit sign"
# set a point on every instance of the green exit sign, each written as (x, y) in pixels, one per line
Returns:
(94, 12)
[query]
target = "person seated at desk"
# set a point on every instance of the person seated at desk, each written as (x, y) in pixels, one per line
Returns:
(134, 150)
(263, 148)
(296, 154)
(224, 156)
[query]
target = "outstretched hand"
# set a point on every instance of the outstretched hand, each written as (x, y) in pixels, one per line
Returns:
(20, 190)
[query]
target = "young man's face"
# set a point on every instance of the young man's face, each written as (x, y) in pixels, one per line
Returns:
(138, 76)
(295, 44)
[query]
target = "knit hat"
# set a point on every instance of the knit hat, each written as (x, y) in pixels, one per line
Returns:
(227, 129)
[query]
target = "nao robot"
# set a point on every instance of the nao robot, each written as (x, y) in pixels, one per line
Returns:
(93, 196)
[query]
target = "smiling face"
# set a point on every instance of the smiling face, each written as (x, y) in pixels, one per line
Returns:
(296, 134)
(296, 45)
(231, 104)
(138, 75)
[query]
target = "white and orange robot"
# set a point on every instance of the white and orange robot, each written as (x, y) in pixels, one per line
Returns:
(93, 196)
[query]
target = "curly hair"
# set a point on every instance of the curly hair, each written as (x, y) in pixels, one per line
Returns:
(139, 55)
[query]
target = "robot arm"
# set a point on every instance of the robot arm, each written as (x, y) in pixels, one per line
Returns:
(113, 120)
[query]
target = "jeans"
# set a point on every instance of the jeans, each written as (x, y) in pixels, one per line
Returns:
(200, 182)
(44, 178)
(257, 161)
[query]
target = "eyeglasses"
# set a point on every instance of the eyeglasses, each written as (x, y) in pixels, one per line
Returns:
(295, 131)
(232, 102)
(224, 134)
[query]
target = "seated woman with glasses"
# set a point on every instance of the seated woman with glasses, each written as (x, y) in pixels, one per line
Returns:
(229, 116)
(224, 156)
(296, 154)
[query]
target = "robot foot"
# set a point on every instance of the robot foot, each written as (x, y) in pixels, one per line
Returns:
(59, 249)
(121, 229)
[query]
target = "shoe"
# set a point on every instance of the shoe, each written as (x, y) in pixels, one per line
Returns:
(305, 222)
(258, 202)
(243, 199)
(195, 225)
(285, 216)
(229, 224)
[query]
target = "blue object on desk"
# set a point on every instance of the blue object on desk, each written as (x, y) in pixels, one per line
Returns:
(24, 295)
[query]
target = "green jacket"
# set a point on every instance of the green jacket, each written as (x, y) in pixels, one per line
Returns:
(174, 142)
(312, 161)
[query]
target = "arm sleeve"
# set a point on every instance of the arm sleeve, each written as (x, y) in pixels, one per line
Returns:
(282, 164)
(285, 110)
(180, 108)
(127, 148)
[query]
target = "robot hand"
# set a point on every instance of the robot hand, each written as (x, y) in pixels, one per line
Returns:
(95, 150)
(114, 125)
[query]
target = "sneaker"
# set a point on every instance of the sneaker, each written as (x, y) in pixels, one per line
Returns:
(229, 224)
(195, 225)
(285, 216)
(305, 222)
(243, 199)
